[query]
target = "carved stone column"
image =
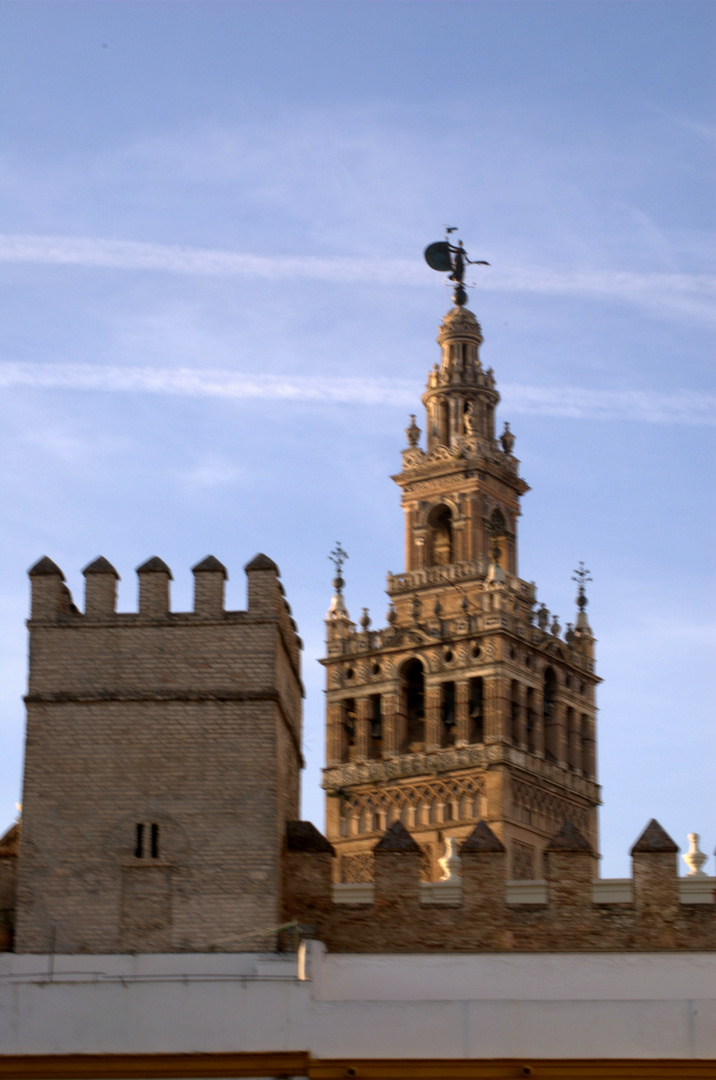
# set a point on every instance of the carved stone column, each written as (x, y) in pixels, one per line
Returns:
(432, 717)
(495, 707)
(521, 716)
(462, 711)
(589, 763)
(362, 735)
(391, 725)
(538, 724)
(574, 737)
(334, 734)
(559, 735)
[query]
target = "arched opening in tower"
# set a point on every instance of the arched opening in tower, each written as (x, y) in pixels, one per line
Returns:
(498, 539)
(440, 537)
(412, 692)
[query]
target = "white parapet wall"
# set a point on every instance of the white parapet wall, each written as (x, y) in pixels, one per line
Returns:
(692, 890)
(481, 1006)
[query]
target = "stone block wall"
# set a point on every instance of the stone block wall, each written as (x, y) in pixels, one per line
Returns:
(475, 915)
(162, 763)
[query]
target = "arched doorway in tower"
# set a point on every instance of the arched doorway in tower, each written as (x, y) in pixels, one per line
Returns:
(440, 536)
(412, 706)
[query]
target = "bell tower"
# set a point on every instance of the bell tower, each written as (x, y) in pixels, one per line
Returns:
(471, 703)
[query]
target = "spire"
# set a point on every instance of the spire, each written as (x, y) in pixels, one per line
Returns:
(581, 576)
(337, 610)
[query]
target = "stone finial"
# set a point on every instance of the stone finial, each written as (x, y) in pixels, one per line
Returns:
(481, 840)
(413, 432)
(654, 840)
(542, 617)
(397, 839)
(507, 439)
(337, 609)
(581, 576)
(555, 627)
(304, 836)
(569, 838)
(365, 620)
(695, 857)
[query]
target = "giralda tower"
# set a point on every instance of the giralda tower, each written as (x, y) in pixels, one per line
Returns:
(471, 703)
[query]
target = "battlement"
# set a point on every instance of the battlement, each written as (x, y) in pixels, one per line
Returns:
(155, 645)
(172, 742)
(476, 907)
(51, 600)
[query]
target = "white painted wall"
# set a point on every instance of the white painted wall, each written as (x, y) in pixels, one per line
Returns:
(582, 1005)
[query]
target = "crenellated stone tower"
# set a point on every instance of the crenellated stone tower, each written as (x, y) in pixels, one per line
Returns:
(470, 704)
(162, 764)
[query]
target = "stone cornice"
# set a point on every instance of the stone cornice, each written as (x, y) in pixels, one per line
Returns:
(454, 758)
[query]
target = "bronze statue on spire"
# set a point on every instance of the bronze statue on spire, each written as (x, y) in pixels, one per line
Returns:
(452, 259)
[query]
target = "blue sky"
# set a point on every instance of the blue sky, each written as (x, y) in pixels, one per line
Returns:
(216, 319)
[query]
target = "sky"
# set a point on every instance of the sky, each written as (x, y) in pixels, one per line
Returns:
(216, 320)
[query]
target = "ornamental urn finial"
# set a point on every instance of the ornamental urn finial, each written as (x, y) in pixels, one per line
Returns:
(507, 439)
(413, 432)
(694, 857)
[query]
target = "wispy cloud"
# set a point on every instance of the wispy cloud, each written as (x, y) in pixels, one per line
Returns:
(679, 407)
(690, 295)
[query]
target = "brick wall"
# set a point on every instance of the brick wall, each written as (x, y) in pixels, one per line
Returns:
(480, 919)
(162, 762)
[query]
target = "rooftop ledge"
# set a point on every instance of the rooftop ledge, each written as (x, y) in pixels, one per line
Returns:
(604, 891)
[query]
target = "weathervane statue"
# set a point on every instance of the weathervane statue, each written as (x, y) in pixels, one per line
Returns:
(447, 257)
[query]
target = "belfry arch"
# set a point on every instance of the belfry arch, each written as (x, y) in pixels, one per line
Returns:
(412, 705)
(441, 541)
